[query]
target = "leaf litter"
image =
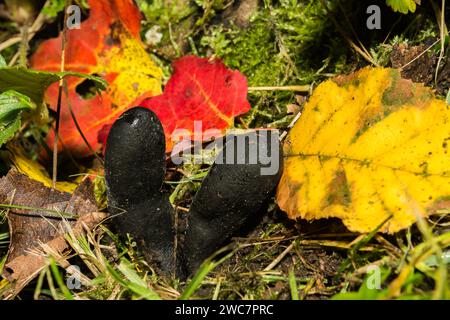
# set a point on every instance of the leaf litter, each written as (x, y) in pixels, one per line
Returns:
(37, 216)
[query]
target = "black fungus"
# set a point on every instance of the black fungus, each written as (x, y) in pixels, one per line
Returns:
(231, 199)
(134, 172)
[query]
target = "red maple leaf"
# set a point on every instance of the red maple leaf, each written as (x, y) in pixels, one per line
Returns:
(199, 90)
(108, 44)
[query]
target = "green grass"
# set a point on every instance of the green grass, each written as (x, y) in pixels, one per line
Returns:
(274, 262)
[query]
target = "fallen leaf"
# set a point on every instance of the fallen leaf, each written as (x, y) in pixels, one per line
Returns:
(368, 146)
(35, 171)
(107, 44)
(35, 217)
(199, 90)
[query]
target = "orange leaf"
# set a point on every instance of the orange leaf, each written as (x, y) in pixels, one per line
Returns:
(107, 44)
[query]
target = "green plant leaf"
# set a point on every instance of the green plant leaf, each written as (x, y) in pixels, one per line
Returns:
(11, 105)
(128, 271)
(23, 89)
(402, 6)
(133, 282)
(33, 83)
(54, 7)
(59, 280)
(8, 131)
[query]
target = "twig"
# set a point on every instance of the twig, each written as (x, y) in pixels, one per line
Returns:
(75, 121)
(421, 54)
(280, 257)
(35, 27)
(58, 107)
(14, 59)
(23, 46)
(10, 42)
(365, 55)
(443, 32)
(302, 88)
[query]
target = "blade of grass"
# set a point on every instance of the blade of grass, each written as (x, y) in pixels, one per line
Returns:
(217, 289)
(420, 253)
(142, 292)
(206, 267)
(49, 213)
(51, 284)
(2, 262)
(298, 88)
(293, 284)
(135, 280)
(59, 280)
(440, 15)
(40, 281)
(4, 240)
(58, 106)
(368, 237)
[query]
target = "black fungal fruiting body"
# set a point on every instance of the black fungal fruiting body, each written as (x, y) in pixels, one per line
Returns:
(134, 172)
(230, 199)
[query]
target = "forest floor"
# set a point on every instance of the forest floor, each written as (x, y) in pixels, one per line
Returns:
(275, 44)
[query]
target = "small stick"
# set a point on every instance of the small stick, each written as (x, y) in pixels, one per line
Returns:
(37, 24)
(443, 32)
(421, 54)
(58, 107)
(302, 88)
(280, 257)
(77, 125)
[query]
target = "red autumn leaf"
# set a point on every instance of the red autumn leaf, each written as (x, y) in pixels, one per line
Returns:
(107, 44)
(199, 90)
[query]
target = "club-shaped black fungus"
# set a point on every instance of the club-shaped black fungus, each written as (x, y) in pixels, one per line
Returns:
(232, 197)
(134, 172)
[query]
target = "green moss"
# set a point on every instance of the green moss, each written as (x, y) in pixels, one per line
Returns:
(162, 13)
(286, 43)
(252, 52)
(278, 46)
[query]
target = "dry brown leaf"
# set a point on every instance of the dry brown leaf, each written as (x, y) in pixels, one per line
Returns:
(30, 228)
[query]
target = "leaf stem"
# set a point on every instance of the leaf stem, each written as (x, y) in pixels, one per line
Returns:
(301, 88)
(77, 125)
(58, 107)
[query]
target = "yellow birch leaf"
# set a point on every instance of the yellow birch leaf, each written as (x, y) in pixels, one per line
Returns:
(367, 147)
